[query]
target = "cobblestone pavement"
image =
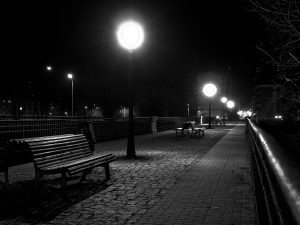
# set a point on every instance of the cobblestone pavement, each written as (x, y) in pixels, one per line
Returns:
(137, 186)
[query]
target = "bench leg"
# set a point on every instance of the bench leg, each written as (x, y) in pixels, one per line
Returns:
(38, 177)
(5, 184)
(63, 181)
(107, 172)
(64, 185)
(201, 133)
(84, 174)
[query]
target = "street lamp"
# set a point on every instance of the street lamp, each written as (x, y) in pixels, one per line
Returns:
(48, 68)
(70, 76)
(224, 99)
(209, 90)
(230, 104)
(130, 36)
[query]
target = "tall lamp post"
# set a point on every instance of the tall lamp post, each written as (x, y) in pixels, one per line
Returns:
(209, 90)
(130, 35)
(224, 100)
(70, 76)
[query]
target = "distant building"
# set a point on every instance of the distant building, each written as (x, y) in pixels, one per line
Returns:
(265, 101)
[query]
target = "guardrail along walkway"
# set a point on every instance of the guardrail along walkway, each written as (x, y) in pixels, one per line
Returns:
(218, 189)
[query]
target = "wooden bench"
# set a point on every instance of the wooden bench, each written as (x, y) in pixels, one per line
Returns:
(191, 129)
(67, 155)
(198, 131)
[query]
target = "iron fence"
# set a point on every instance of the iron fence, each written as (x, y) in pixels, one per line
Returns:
(11, 129)
(102, 128)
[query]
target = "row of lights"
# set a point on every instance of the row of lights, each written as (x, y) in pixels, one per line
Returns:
(210, 90)
(70, 76)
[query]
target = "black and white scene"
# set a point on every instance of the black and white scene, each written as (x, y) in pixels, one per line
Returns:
(139, 112)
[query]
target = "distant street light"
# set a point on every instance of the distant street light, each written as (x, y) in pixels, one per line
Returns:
(49, 68)
(209, 90)
(230, 104)
(224, 99)
(70, 76)
(130, 36)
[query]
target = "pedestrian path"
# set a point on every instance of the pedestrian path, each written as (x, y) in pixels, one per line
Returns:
(218, 189)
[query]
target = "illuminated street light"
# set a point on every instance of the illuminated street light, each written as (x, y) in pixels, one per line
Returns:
(70, 76)
(224, 99)
(209, 90)
(230, 104)
(48, 68)
(130, 36)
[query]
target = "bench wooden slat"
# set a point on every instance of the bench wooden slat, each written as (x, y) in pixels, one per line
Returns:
(82, 163)
(61, 157)
(49, 160)
(96, 164)
(53, 149)
(36, 139)
(55, 142)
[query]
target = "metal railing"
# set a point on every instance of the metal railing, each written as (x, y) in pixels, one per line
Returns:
(103, 129)
(11, 129)
(277, 179)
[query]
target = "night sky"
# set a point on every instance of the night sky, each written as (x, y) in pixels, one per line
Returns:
(185, 41)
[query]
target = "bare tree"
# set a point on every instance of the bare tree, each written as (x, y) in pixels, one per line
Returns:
(283, 48)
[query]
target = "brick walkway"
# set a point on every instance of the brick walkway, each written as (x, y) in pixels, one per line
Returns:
(165, 168)
(216, 190)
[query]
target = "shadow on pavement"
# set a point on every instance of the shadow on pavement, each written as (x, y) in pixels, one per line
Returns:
(32, 207)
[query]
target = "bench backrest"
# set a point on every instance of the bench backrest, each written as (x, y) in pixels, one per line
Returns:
(188, 125)
(52, 150)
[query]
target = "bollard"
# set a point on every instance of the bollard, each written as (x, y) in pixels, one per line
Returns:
(153, 124)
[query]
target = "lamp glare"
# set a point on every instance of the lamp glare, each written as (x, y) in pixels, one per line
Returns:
(209, 90)
(224, 99)
(230, 104)
(130, 35)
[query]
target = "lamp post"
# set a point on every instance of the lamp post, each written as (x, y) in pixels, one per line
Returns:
(230, 104)
(209, 90)
(130, 35)
(70, 76)
(224, 100)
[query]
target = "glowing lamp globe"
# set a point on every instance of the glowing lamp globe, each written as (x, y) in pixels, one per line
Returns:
(230, 104)
(209, 90)
(130, 35)
(224, 99)
(70, 76)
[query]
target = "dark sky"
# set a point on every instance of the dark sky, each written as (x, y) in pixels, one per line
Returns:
(184, 40)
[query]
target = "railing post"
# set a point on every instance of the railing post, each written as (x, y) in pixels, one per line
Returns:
(153, 124)
(91, 129)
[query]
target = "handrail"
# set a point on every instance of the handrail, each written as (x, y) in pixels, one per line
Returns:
(281, 176)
